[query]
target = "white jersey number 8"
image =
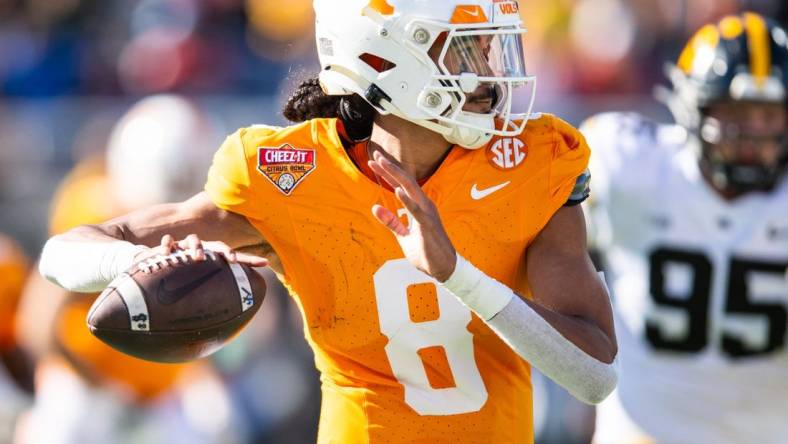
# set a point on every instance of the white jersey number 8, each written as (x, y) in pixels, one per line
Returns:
(406, 338)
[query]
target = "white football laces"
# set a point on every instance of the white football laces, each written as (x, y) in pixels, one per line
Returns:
(161, 261)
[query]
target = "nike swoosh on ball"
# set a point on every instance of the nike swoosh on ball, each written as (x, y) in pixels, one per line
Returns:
(169, 296)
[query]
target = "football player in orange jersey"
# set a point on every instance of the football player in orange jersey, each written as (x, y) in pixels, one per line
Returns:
(432, 240)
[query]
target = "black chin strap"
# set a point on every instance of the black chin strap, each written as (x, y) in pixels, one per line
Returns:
(358, 116)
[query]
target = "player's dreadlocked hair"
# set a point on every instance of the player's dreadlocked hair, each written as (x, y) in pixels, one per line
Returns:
(309, 101)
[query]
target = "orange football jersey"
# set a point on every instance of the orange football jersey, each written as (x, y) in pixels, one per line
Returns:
(401, 359)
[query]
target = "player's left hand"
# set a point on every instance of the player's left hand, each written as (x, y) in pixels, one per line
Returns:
(425, 243)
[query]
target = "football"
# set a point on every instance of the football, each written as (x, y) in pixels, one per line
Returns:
(180, 312)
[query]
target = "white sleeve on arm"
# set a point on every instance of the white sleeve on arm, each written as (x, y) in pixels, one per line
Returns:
(531, 336)
(86, 267)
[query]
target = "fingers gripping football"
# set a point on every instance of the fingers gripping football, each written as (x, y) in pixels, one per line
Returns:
(425, 242)
(193, 247)
(193, 244)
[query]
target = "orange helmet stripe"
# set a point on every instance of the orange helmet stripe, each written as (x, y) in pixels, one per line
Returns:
(758, 43)
(382, 6)
(468, 14)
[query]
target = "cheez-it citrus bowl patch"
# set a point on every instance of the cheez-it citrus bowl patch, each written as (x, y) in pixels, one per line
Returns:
(285, 166)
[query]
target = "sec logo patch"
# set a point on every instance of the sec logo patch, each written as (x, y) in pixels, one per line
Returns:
(285, 166)
(507, 153)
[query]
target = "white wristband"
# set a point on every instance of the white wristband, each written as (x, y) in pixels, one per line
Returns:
(86, 266)
(479, 292)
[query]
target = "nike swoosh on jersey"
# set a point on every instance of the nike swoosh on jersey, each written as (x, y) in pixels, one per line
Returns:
(477, 194)
(169, 296)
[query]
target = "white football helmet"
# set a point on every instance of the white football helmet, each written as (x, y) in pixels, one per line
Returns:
(421, 60)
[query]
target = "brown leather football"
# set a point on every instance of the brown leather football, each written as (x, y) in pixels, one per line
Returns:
(176, 313)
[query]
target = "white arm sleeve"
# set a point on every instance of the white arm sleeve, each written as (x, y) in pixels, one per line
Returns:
(86, 267)
(531, 336)
(536, 341)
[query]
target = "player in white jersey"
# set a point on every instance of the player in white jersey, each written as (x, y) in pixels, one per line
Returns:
(692, 222)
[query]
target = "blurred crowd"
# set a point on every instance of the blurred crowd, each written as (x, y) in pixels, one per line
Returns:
(616, 47)
(74, 140)
(59, 384)
(117, 47)
(113, 47)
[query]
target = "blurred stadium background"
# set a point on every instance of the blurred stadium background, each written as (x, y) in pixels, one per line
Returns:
(69, 69)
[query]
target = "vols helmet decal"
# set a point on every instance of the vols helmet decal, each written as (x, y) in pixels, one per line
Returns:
(285, 166)
(505, 9)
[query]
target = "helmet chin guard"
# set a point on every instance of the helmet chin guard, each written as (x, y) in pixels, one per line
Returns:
(468, 137)
(439, 65)
(472, 135)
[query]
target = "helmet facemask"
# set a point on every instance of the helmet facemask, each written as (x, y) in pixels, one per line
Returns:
(472, 92)
(738, 156)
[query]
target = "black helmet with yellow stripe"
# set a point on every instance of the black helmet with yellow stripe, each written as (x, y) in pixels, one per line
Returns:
(741, 60)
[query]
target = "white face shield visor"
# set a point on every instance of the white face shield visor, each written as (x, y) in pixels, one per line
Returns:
(481, 68)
